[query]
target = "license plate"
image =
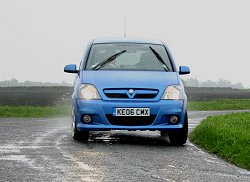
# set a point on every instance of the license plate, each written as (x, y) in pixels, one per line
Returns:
(132, 111)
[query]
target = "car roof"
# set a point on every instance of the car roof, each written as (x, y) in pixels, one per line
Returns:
(126, 40)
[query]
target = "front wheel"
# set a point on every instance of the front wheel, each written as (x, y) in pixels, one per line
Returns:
(76, 135)
(179, 137)
(164, 133)
(83, 135)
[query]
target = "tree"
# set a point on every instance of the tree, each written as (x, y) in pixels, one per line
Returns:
(208, 83)
(192, 82)
(224, 83)
(237, 85)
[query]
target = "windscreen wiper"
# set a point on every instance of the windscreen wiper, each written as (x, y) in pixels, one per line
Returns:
(107, 60)
(157, 55)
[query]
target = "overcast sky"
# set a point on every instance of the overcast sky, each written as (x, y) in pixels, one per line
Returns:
(39, 37)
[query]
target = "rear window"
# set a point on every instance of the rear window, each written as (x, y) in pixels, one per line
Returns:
(128, 56)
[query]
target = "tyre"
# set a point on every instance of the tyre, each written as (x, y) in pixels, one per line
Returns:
(164, 133)
(179, 137)
(80, 136)
(76, 135)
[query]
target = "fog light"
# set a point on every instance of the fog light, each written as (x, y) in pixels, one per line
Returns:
(87, 118)
(173, 119)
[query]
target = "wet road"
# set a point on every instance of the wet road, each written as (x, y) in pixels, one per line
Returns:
(42, 150)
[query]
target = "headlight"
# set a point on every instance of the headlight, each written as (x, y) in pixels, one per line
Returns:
(173, 92)
(89, 92)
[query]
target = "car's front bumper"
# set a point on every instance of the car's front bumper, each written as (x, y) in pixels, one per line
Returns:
(99, 110)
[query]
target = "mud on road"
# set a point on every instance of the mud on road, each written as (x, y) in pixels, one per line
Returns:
(42, 150)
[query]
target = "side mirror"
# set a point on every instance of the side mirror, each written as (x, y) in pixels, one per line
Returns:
(184, 70)
(70, 68)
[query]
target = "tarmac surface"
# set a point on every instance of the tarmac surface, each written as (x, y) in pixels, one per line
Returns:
(43, 150)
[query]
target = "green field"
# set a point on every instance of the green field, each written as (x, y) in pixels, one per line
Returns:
(227, 136)
(34, 111)
(228, 104)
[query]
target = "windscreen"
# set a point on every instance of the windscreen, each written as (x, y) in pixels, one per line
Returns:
(128, 56)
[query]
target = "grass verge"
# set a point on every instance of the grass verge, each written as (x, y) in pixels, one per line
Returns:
(232, 104)
(228, 136)
(33, 112)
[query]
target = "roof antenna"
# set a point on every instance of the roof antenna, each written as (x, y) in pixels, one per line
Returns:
(124, 26)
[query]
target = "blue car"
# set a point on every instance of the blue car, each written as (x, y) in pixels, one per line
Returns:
(129, 84)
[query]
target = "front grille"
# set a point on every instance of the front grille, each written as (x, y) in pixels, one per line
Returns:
(124, 93)
(117, 95)
(145, 96)
(130, 120)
